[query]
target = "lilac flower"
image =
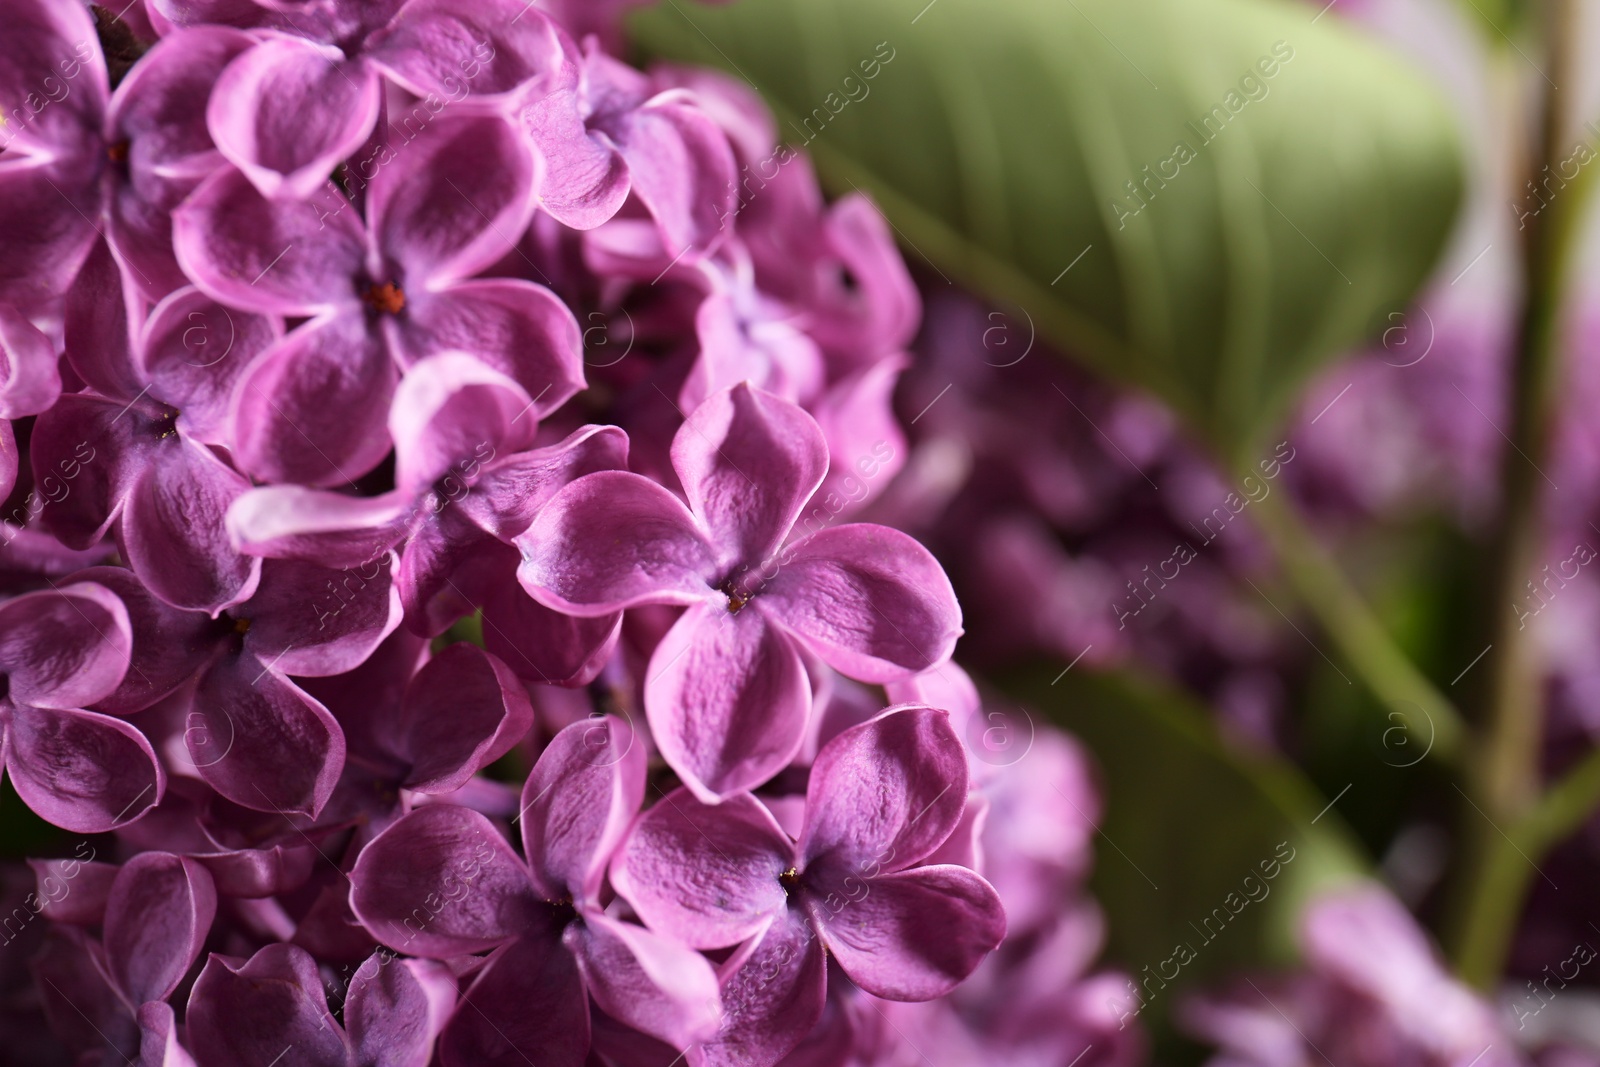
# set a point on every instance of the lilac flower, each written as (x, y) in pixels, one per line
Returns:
(466, 482)
(382, 296)
(882, 798)
(442, 883)
(611, 132)
(253, 734)
(310, 92)
(726, 690)
(77, 153)
(133, 448)
(60, 652)
(1373, 992)
(29, 379)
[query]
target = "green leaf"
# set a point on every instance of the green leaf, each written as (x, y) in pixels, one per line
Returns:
(1189, 824)
(1002, 138)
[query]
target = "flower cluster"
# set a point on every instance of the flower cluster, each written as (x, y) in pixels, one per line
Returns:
(430, 454)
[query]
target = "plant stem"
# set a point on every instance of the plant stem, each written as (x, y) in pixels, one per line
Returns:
(1429, 719)
(1505, 775)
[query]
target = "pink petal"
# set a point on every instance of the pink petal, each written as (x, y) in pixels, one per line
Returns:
(748, 461)
(74, 890)
(512, 489)
(192, 352)
(527, 1004)
(86, 772)
(158, 1037)
(79, 452)
(866, 446)
(442, 882)
(585, 181)
(261, 741)
(773, 993)
(288, 110)
(543, 645)
(99, 318)
(173, 533)
(64, 648)
(396, 1008)
(46, 236)
(613, 540)
(491, 49)
(682, 170)
(462, 711)
(646, 981)
(870, 601)
(250, 1011)
(159, 914)
(706, 876)
(312, 409)
(292, 522)
(455, 200)
(913, 935)
(450, 415)
(885, 794)
(311, 620)
(580, 798)
(286, 257)
(52, 76)
(522, 330)
(169, 646)
(727, 698)
(29, 380)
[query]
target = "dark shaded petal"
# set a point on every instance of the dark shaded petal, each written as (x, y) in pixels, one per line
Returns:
(396, 1008)
(157, 919)
(462, 711)
(253, 1011)
(442, 882)
(652, 984)
(527, 1003)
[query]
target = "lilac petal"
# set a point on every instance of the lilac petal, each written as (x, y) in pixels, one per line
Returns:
(74, 890)
(315, 621)
(52, 77)
(98, 321)
(442, 882)
(158, 1037)
(522, 330)
(252, 1011)
(77, 452)
(82, 1009)
(526, 1005)
(865, 443)
(173, 533)
(512, 489)
(451, 414)
(462, 711)
(543, 645)
(491, 49)
(157, 919)
(706, 876)
(46, 237)
(169, 644)
(727, 697)
(682, 169)
(773, 993)
(736, 346)
(577, 803)
(86, 772)
(277, 257)
(443, 556)
(311, 410)
(748, 461)
(455, 200)
(614, 540)
(29, 380)
(586, 181)
(288, 110)
(292, 522)
(913, 935)
(64, 648)
(192, 352)
(870, 601)
(252, 873)
(885, 794)
(646, 981)
(881, 311)
(260, 741)
(396, 1008)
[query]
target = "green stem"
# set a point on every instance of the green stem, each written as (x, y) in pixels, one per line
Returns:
(1431, 722)
(1505, 778)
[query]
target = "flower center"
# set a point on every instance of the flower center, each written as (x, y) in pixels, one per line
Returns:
(117, 151)
(789, 878)
(241, 626)
(167, 424)
(737, 598)
(387, 298)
